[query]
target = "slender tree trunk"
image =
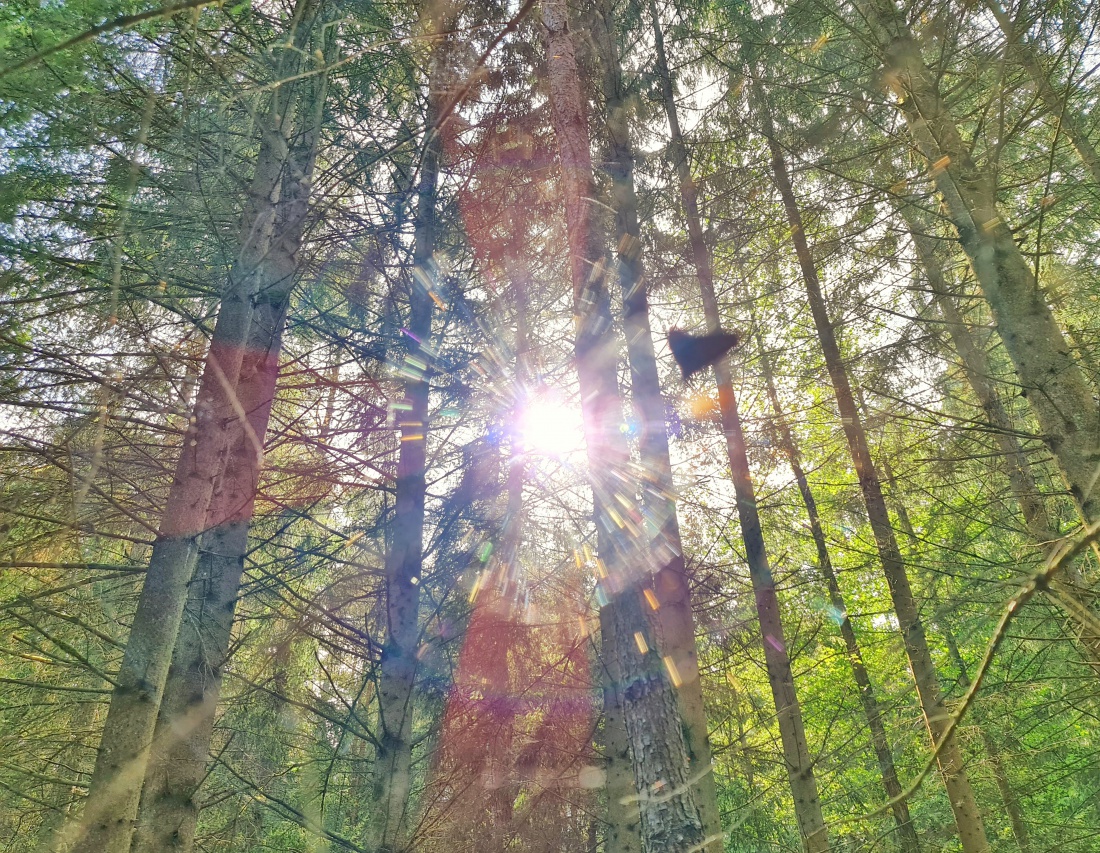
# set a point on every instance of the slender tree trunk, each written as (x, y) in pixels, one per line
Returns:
(672, 584)
(669, 814)
(1051, 379)
(107, 823)
(624, 830)
(1066, 590)
(907, 834)
(168, 813)
(993, 752)
(1020, 49)
(404, 559)
(968, 819)
(800, 771)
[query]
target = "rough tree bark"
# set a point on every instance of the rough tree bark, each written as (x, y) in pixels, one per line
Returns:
(107, 822)
(968, 819)
(800, 770)
(669, 814)
(169, 812)
(623, 831)
(672, 583)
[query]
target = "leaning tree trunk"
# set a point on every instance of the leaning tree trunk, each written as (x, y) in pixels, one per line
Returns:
(968, 819)
(872, 710)
(672, 584)
(168, 812)
(393, 780)
(107, 822)
(669, 814)
(1023, 51)
(1050, 378)
(800, 770)
(1042, 528)
(993, 752)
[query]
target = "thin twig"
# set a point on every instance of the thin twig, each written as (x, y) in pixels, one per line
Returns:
(119, 23)
(1039, 582)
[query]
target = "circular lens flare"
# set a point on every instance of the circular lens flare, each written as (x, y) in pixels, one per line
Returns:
(550, 425)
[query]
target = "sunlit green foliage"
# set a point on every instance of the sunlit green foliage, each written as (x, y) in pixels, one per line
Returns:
(124, 163)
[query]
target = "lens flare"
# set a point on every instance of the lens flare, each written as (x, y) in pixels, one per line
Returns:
(550, 425)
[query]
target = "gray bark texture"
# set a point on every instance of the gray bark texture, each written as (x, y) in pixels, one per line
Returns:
(168, 812)
(659, 759)
(672, 584)
(623, 829)
(393, 769)
(1068, 590)
(110, 810)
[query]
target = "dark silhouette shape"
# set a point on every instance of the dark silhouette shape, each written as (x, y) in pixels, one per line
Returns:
(697, 352)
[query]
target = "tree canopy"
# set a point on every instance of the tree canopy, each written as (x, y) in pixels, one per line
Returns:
(587, 426)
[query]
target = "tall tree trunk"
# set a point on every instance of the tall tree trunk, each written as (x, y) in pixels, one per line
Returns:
(907, 834)
(404, 560)
(968, 819)
(1021, 50)
(168, 812)
(669, 814)
(1066, 590)
(800, 771)
(107, 822)
(1053, 382)
(623, 833)
(672, 584)
(993, 752)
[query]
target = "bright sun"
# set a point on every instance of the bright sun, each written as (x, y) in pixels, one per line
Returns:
(550, 424)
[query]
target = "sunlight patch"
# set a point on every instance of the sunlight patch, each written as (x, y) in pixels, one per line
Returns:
(550, 424)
